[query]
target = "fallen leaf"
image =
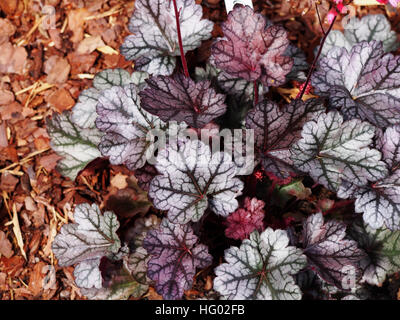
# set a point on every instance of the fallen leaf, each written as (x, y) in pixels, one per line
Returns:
(49, 162)
(36, 278)
(61, 100)
(12, 58)
(57, 69)
(88, 45)
(6, 97)
(8, 182)
(10, 111)
(81, 63)
(5, 246)
(76, 23)
(13, 266)
(7, 30)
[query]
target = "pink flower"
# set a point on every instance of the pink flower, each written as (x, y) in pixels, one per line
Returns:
(331, 15)
(394, 3)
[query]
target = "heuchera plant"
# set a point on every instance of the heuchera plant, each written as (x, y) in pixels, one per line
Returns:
(342, 139)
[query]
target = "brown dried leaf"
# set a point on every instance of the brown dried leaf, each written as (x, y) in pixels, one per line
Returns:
(88, 45)
(57, 69)
(76, 23)
(36, 278)
(8, 182)
(7, 30)
(5, 246)
(12, 58)
(61, 100)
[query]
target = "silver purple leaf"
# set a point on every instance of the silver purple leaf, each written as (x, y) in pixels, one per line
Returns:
(262, 268)
(332, 150)
(175, 255)
(250, 50)
(125, 126)
(84, 112)
(92, 236)
(276, 129)
(179, 98)
(370, 27)
(154, 42)
(78, 146)
(382, 247)
(88, 275)
(380, 202)
(328, 253)
(362, 83)
(389, 143)
(193, 179)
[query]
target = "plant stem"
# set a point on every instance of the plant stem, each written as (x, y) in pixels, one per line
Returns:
(255, 85)
(314, 64)
(178, 29)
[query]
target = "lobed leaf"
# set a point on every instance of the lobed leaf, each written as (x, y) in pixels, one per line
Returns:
(363, 83)
(250, 50)
(262, 268)
(328, 253)
(192, 179)
(368, 28)
(181, 99)
(92, 236)
(331, 150)
(382, 247)
(77, 145)
(175, 255)
(380, 202)
(276, 129)
(125, 125)
(154, 43)
(84, 112)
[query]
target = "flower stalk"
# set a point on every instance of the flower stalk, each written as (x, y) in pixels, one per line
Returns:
(178, 29)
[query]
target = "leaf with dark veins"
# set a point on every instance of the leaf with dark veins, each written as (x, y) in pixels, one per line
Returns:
(370, 27)
(331, 150)
(78, 146)
(180, 99)
(88, 275)
(380, 202)
(382, 247)
(175, 255)
(92, 236)
(125, 125)
(192, 179)
(389, 143)
(276, 129)
(362, 83)
(262, 268)
(252, 51)
(84, 112)
(154, 43)
(328, 253)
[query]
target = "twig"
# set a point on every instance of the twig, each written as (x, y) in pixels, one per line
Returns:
(255, 85)
(319, 19)
(178, 29)
(316, 59)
